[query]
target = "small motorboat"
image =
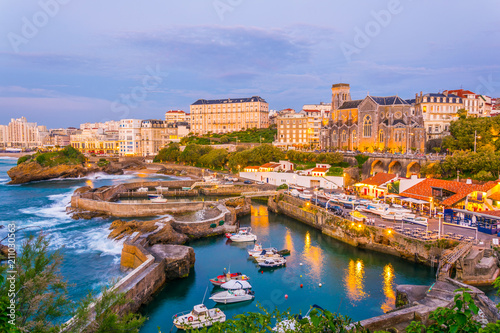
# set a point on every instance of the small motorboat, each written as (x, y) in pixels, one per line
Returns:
(142, 190)
(221, 279)
(234, 285)
(159, 199)
(266, 255)
(243, 235)
(257, 250)
(233, 296)
(357, 216)
(273, 262)
(306, 195)
(415, 220)
(199, 317)
(294, 193)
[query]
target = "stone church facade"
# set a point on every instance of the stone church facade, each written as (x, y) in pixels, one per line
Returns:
(372, 124)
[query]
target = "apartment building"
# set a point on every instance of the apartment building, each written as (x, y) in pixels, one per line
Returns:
(316, 119)
(228, 115)
(24, 135)
(176, 116)
(129, 135)
(111, 125)
(152, 136)
(438, 111)
(175, 132)
(292, 130)
(96, 141)
(475, 104)
(3, 136)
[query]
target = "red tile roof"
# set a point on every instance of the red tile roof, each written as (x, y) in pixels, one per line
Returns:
(423, 190)
(270, 165)
(379, 179)
(319, 170)
(460, 92)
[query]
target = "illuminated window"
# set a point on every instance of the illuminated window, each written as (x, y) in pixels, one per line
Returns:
(381, 136)
(367, 127)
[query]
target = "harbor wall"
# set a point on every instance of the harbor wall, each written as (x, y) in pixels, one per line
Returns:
(137, 209)
(357, 234)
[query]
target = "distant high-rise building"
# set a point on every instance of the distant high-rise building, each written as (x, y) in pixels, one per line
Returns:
(228, 115)
(22, 134)
(130, 137)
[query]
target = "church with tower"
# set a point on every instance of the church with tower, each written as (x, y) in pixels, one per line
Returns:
(372, 124)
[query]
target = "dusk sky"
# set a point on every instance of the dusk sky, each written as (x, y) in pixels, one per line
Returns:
(65, 62)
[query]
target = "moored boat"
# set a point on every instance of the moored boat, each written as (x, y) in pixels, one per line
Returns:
(233, 296)
(221, 279)
(244, 234)
(159, 199)
(200, 316)
(142, 189)
(273, 262)
(306, 195)
(257, 250)
(415, 220)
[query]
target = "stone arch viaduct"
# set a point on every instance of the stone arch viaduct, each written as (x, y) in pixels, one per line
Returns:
(402, 165)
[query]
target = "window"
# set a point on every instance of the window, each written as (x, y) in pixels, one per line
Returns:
(335, 136)
(381, 136)
(344, 136)
(367, 127)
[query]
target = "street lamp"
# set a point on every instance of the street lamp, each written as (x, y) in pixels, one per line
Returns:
(475, 139)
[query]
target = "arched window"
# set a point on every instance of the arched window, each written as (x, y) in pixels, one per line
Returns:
(354, 136)
(381, 136)
(344, 136)
(367, 127)
(335, 136)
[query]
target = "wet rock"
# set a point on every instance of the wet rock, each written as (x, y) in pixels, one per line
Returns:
(4, 252)
(120, 228)
(27, 172)
(178, 259)
(155, 232)
(77, 214)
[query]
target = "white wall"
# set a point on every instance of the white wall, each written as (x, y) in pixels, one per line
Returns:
(279, 178)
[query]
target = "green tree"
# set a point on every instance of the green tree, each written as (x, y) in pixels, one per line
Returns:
(169, 154)
(193, 152)
(216, 158)
(255, 156)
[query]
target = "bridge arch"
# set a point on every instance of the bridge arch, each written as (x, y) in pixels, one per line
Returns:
(413, 168)
(395, 167)
(377, 166)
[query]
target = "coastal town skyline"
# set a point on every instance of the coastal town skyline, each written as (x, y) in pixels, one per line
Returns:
(61, 71)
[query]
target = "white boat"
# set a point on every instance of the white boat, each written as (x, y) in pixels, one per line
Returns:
(161, 188)
(159, 199)
(349, 201)
(416, 220)
(306, 195)
(243, 235)
(377, 209)
(273, 263)
(142, 189)
(236, 284)
(294, 193)
(199, 317)
(391, 216)
(400, 209)
(267, 255)
(257, 250)
(233, 296)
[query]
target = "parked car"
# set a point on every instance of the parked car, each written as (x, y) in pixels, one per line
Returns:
(260, 183)
(247, 182)
(337, 210)
(228, 183)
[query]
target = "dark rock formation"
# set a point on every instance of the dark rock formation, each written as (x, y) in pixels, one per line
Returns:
(78, 214)
(27, 172)
(155, 232)
(178, 259)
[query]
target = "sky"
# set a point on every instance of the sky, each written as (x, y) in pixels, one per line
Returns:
(65, 62)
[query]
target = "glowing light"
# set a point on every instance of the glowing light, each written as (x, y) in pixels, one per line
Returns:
(89, 182)
(388, 288)
(314, 257)
(260, 218)
(354, 281)
(359, 225)
(389, 231)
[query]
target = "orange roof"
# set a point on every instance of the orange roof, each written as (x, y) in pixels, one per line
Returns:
(460, 92)
(319, 170)
(423, 190)
(175, 111)
(252, 167)
(379, 179)
(270, 165)
(494, 196)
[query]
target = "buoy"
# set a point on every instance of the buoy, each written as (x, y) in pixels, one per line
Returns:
(300, 264)
(301, 285)
(286, 296)
(301, 276)
(261, 272)
(320, 284)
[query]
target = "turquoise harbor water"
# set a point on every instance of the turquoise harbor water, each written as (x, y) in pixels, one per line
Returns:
(356, 283)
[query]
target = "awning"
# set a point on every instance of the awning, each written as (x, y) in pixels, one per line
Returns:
(392, 196)
(415, 201)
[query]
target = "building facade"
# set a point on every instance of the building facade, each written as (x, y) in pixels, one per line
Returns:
(438, 111)
(129, 134)
(372, 124)
(175, 116)
(228, 115)
(152, 136)
(476, 105)
(292, 130)
(96, 141)
(24, 135)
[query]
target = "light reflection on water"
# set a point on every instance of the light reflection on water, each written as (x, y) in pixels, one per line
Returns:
(260, 218)
(354, 281)
(313, 256)
(388, 288)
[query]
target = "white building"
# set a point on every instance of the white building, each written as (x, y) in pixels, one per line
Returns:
(111, 125)
(475, 104)
(129, 135)
(22, 134)
(292, 179)
(3, 135)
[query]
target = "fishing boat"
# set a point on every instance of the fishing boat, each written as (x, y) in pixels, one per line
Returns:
(159, 199)
(221, 279)
(142, 189)
(357, 216)
(257, 250)
(415, 220)
(233, 296)
(199, 317)
(306, 195)
(273, 262)
(243, 235)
